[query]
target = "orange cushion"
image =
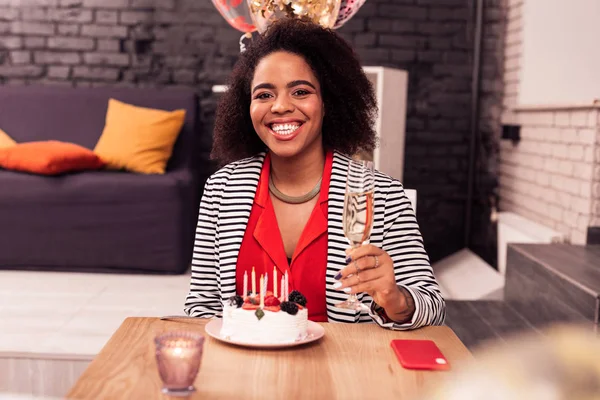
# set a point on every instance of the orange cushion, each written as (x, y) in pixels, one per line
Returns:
(49, 158)
(5, 140)
(138, 139)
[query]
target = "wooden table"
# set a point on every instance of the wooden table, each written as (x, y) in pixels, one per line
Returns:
(352, 361)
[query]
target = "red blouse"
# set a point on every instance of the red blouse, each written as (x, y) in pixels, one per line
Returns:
(262, 246)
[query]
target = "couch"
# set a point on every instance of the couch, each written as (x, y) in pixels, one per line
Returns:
(103, 221)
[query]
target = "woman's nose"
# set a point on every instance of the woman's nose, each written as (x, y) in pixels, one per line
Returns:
(281, 105)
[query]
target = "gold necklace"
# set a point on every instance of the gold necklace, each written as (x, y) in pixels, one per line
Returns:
(294, 199)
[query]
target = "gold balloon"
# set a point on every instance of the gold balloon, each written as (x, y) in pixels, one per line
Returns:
(265, 12)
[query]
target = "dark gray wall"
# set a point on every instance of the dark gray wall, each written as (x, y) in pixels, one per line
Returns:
(187, 43)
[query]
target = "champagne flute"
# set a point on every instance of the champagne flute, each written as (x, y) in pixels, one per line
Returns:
(357, 217)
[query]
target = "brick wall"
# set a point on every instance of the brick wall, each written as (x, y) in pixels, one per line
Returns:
(186, 43)
(551, 176)
(548, 176)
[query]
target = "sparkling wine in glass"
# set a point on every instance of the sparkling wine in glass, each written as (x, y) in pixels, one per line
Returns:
(357, 217)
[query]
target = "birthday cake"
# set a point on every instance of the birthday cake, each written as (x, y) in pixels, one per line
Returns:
(264, 318)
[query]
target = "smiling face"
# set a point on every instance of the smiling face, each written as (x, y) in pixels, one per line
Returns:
(287, 107)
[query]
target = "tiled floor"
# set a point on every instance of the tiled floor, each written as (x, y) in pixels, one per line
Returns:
(564, 281)
(466, 276)
(75, 314)
(546, 284)
(476, 322)
(52, 324)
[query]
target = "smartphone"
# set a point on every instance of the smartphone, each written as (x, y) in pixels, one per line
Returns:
(419, 354)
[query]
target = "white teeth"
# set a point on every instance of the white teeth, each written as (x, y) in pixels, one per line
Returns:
(284, 129)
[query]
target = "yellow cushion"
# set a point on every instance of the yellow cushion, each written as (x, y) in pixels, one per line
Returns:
(5, 140)
(138, 139)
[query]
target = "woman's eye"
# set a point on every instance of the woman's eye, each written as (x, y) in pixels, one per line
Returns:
(262, 96)
(301, 92)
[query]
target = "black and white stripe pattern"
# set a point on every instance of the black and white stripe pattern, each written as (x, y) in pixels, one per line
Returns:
(224, 213)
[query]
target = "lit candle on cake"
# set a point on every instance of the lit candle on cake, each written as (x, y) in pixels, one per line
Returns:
(266, 284)
(245, 292)
(275, 281)
(287, 286)
(262, 292)
(282, 289)
(253, 282)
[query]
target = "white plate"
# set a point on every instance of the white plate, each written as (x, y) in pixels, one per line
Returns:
(314, 330)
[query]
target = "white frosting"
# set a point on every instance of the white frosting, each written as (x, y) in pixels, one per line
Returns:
(273, 328)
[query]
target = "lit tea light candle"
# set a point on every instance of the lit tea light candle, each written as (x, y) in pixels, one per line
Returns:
(177, 349)
(178, 356)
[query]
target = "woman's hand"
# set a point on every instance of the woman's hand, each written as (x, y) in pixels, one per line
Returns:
(371, 270)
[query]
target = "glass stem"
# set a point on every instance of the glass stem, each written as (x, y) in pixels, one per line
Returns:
(353, 298)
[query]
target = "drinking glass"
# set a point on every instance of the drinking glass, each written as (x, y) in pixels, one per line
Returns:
(357, 217)
(178, 355)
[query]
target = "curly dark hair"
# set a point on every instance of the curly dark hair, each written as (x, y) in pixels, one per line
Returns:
(348, 96)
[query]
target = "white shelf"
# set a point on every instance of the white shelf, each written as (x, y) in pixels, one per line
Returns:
(390, 86)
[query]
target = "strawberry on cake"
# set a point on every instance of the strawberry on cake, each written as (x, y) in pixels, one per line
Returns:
(265, 319)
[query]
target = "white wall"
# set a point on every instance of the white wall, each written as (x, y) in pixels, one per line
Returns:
(560, 53)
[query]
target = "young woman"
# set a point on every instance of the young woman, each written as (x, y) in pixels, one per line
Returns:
(298, 105)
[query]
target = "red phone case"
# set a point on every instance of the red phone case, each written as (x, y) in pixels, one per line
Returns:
(419, 354)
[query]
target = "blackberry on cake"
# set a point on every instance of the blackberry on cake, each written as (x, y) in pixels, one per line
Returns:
(289, 307)
(297, 298)
(236, 301)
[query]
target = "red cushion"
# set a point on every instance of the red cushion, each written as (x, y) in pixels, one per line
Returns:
(49, 158)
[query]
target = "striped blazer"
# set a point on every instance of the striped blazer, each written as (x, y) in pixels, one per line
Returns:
(224, 212)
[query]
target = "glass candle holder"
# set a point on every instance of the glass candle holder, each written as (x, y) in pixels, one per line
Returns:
(178, 355)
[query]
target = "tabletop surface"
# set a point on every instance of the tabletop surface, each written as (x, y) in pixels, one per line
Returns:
(350, 361)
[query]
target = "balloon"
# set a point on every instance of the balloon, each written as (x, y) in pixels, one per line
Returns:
(265, 12)
(236, 13)
(347, 10)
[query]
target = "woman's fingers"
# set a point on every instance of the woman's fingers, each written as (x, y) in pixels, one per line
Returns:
(369, 259)
(357, 266)
(363, 278)
(369, 270)
(361, 251)
(366, 287)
